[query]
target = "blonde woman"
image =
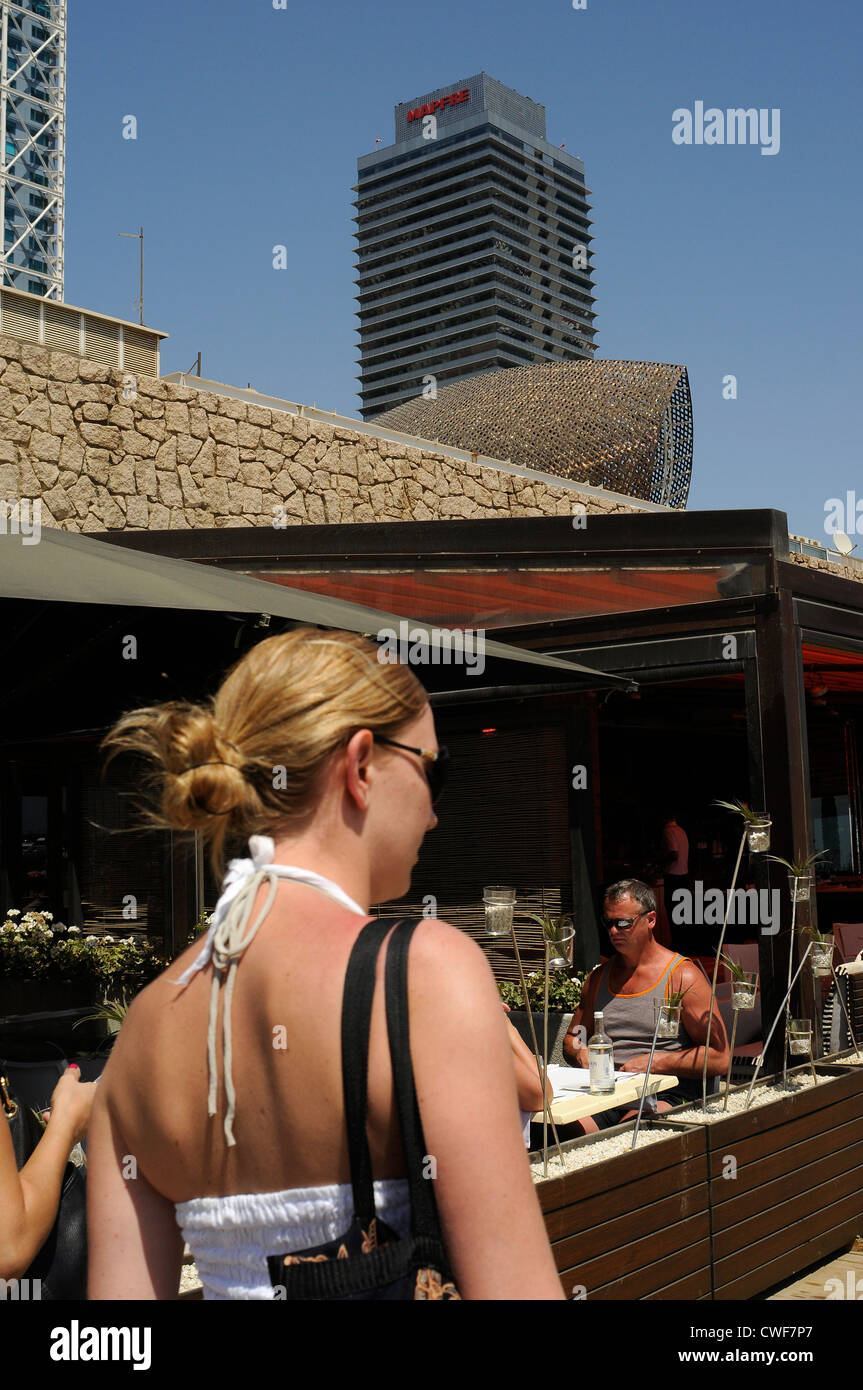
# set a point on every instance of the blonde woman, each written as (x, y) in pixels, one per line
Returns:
(220, 1116)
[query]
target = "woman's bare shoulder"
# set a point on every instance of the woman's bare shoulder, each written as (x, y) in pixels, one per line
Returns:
(437, 942)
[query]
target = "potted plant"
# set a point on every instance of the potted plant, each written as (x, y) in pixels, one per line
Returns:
(744, 984)
(756, 824)
(559, 934)
(800, 875)
(111, 1012)
(666, 1013)
(822, 951)
(46, 966)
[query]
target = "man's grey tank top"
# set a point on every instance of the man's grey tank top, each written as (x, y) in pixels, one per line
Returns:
(629, 1020)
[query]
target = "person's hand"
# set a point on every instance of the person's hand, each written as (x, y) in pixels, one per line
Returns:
(71, 1102)
(506, 1007)
(636, 1063)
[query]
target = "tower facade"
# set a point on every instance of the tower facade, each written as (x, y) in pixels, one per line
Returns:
(473, 242)
(33, 141)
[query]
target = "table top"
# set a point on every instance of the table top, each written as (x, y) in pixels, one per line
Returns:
(569, 1106)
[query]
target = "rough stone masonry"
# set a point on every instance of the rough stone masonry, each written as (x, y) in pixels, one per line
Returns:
(167, 456)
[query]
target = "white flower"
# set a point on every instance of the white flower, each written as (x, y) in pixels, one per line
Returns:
(108, 938)
(49, 916)
(74, 931)
(14, 912)
(47, 933)
(17, 938)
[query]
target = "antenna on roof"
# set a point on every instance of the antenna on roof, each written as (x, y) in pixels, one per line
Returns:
(843, 543)
(139, 302)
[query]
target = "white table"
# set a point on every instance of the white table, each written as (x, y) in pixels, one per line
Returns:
(570, 1105)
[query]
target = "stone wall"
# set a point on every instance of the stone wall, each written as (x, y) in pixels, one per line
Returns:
(104, 452)
(848, 569)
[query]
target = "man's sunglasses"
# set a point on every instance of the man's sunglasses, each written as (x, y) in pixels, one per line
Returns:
(435, 763)
(621, 923)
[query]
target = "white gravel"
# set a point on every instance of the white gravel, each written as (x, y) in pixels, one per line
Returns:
(588, 1154)
(762, 1095)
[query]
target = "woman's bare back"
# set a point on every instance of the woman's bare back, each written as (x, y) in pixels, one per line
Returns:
(286, 1045)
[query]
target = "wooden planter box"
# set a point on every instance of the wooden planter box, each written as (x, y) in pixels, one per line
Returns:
(558, 1026)
(19, 997)
(637, 1225)
(798, 1191)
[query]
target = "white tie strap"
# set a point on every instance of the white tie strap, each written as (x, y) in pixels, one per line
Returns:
(229, 935)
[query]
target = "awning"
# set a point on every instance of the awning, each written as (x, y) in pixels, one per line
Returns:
(65, 567)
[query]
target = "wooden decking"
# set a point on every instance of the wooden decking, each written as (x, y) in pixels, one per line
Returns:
(846, 1270)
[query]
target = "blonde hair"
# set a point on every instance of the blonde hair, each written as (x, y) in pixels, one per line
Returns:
(247, 761)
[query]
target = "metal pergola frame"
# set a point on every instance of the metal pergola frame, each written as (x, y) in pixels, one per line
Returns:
(670, 643)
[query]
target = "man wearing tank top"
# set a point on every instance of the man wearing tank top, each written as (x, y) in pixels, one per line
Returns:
(624, 989)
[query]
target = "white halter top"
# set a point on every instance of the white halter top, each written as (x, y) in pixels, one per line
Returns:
(228, 937)
(230, 1237)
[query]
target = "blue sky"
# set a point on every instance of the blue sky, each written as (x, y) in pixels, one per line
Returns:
(250, 121)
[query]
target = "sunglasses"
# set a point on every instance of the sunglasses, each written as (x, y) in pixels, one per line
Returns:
(621, 923)
(435, 763)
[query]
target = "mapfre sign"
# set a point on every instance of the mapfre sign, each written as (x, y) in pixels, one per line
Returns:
(454, 99)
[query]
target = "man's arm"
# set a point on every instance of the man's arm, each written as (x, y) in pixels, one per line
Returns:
(689, 1062)
(574, 1051)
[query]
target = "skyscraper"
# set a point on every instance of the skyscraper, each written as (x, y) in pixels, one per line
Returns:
(473, 243)
(33, 140)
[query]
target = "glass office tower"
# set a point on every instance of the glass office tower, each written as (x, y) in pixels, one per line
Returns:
(33, 139)
(473, 242)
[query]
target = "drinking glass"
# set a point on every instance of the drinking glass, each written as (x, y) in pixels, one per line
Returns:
(800, 1037)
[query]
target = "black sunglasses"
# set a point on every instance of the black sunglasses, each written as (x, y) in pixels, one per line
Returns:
(621, 922)
(435, 763)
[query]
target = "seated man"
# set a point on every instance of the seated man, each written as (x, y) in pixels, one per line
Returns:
(639, 972)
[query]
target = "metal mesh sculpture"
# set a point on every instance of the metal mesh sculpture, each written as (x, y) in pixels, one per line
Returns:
(623, 426)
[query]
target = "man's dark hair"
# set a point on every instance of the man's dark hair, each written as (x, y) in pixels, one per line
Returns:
(632, 888)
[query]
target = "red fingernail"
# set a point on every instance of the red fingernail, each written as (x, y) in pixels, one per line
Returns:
(73, 1066)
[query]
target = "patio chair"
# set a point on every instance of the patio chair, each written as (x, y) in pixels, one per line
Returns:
(849, 942)
(849, 939)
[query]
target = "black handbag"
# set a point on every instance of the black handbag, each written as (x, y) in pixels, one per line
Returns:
(61, 1264)
(370, 1260)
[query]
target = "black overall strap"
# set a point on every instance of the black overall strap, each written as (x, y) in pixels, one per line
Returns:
(424, 1215)
(356, 1023)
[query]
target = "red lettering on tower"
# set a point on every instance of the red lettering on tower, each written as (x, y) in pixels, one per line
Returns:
(452, 99)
